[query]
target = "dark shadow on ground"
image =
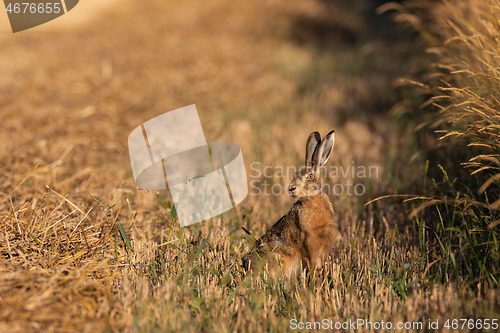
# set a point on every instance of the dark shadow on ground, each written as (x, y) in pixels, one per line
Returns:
(366, 47)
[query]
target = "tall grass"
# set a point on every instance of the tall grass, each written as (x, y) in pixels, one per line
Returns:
(462, 39)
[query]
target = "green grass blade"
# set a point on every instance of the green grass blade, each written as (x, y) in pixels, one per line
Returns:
(202, 245)
(124, 236)
(174, 211)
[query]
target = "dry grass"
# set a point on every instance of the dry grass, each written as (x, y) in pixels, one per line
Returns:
(263, 75)
(462, 37)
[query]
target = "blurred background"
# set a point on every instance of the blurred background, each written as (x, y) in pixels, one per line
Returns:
(263, 75)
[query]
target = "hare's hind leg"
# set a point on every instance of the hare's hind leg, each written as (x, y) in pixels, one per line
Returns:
(282, 265)
(290, 265)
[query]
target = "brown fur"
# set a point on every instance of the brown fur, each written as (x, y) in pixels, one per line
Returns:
(309, 230)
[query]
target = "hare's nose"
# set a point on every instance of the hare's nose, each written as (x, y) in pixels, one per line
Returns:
(291, 188)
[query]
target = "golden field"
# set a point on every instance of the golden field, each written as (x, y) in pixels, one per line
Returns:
(263, 75)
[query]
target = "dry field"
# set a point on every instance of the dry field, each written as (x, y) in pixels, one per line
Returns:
(263, 74)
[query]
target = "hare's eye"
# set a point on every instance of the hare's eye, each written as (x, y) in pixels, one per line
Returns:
(310, 176)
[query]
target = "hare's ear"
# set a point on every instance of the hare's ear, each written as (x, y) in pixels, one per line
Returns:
(312, 143)
(323, 151)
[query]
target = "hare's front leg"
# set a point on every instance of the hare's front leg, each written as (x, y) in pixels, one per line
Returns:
(314, 254)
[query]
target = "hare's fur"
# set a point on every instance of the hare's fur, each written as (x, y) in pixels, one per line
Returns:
(309, 230)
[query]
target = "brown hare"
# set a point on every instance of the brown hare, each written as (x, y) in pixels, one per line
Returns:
(309, 230)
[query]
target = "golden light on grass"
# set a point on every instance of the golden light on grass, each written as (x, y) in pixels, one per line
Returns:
(70, 98)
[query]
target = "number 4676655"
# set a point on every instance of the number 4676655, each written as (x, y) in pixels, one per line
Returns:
(472, 324)
(26, 7)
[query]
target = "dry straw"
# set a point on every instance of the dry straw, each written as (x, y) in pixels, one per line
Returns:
(69, 100)
(464, 38)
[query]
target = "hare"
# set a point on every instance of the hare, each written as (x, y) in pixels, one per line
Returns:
(309, 230)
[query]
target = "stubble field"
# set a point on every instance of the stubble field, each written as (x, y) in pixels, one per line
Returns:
(263, 75)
